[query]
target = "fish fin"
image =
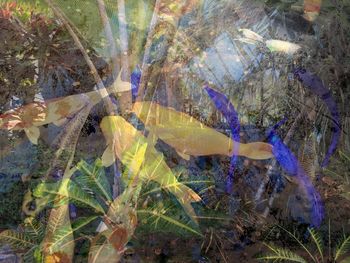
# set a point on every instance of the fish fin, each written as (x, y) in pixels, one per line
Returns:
(108, 156)
(60, 122)
(184, 156)
(33, 134)
(256, 150)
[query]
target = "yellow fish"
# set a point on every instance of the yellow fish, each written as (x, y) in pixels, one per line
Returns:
(273, 45)
(191, 137)
(282, 46)
(121, 136)
(29, 117)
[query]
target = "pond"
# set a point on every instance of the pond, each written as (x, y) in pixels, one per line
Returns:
(174, 131)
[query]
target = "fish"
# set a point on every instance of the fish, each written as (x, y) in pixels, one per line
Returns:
(274, 45)
(251, 35)
(316, 86)
(189, 136)
(224, 105)
(135, 79)
(282, 46)
(312, 9)
(33, 115)
(292, 167)
(121, 136)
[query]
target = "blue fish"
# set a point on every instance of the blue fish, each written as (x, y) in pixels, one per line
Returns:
(290, 165)
(135, 79)
(315, 85)
(226, 108)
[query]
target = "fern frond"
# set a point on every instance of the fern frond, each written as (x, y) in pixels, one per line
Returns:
(342, 248)
(158, 216)
(300, 243)
(16, 239)
(93, 177)
(317, 239)
(281, 254)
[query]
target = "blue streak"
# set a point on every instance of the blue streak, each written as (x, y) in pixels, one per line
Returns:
(226, 108)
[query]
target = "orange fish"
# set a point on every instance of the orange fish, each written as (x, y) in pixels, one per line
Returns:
(29, 117)
(312, 9)
(191, 137)
(122, 136)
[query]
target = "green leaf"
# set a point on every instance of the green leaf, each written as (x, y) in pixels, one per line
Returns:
(34, 228)
(317, 240)
(93, 177)
(66, 232)
(158, 215)
(16, 239)
(74, 193)
(342, 248)
(281, 254)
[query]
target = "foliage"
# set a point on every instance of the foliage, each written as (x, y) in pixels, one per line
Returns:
(281, 254)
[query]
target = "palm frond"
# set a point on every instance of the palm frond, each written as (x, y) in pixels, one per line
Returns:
(61, 236)
(317, 239)
(34, 228)
(74, 193)
(342, 248)
(16, 239)
(158, 216)
(133, 159)
(281, 254)
(93, 177)
(157, 189)
(300, 243)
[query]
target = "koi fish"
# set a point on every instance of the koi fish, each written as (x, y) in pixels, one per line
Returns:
(31, 116)
(121, 136)
(135, 79)
(315, 85)
(191, 137)
(224, 105)
(273, 45)
(282, 46)
(312, 9)
(290, 164)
